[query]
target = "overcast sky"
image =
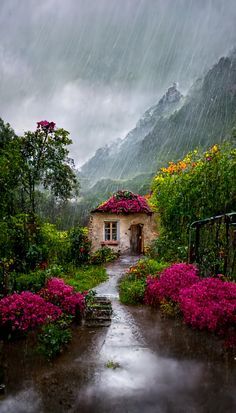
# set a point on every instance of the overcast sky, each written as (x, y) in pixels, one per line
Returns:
(94, 66)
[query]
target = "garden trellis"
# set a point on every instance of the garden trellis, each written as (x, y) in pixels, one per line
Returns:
(212, 244)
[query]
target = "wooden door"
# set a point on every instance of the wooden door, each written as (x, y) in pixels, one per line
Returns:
(136, 239)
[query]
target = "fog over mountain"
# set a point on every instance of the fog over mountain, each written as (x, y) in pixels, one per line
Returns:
(94, 67)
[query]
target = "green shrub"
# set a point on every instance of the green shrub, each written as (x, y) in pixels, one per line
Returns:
(166, 249)
(146, 267)
(197, 187)
(132, 285)
(33, 281)
(56, 243)
(54, 337)
(80, 246)
(55, 271)
(103, 255)
(132, 291)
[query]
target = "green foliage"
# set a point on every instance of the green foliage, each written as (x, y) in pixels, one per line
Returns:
(80, 245)
(103, 255)
(33, 281)
(170, 309)
(90, 297)
(168, 247)
(24, 242)
(112, 364)
(86, 277)
(10, 170)
(147, 266)
(37, 160)
(46, 163)
(54, 337)
(56, 243)
(55, 270)
(132, 291)
(132, 285)
(199, 186)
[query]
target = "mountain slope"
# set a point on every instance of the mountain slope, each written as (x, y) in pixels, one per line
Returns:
(173, 127)
(207, 117)
(108, 161)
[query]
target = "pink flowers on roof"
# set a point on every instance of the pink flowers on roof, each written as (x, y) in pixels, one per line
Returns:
(46, 126)
(125, 202)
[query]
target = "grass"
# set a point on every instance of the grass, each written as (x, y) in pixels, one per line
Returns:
(133, 284)
(87, 277)
(112, 365)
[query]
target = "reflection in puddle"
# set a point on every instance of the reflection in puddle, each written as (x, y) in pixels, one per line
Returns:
(24, 401)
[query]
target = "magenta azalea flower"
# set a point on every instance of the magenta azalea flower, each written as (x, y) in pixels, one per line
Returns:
(125, 202)
(46, 126)
(63, 295)
(25, 311)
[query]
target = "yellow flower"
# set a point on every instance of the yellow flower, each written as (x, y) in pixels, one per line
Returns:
(215, 148)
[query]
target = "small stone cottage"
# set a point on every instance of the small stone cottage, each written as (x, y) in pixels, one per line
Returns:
(125, 222)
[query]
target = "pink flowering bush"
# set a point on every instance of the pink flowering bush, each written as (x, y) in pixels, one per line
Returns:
(46, 126)
(210, 304)
(125, 202)
(152, 296)
(25, 311)
(171, 281)
(63, 295)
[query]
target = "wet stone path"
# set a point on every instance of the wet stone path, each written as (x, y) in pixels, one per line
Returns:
(161, 366)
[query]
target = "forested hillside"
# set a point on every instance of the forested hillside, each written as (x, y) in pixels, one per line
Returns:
(167, 131)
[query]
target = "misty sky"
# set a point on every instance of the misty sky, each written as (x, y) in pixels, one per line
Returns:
(94, 66)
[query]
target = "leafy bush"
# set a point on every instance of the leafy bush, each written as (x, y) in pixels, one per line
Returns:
(164, 248)
(171, 281)
(56, 243)
(210, 304)
(33, 281)
(194, 188)
(103, 255)
(55, 270)
(146, 267)
(132, 285)
(132, 291)
(54, 337)
(25, 311)
(27, 249)
(80, 245)
(63, 295)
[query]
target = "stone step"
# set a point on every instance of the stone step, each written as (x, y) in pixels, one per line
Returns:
(98, 313)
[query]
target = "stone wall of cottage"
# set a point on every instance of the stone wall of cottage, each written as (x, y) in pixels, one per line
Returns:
(96, 229)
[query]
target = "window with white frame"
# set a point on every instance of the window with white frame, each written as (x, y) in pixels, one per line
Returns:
(111, 231)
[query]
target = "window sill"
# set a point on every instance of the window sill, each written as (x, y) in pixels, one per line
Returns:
(110, 243)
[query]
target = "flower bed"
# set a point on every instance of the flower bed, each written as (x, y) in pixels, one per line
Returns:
(132, 286)
(63, 295)
(209, 304)
(25, 311)
(205, 304)
(171, 281)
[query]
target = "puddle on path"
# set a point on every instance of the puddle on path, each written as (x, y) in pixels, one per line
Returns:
(163, 367)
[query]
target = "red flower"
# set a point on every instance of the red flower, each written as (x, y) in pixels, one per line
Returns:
(63, 295)
(25, 311)
(46, 126)
(125, 202)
